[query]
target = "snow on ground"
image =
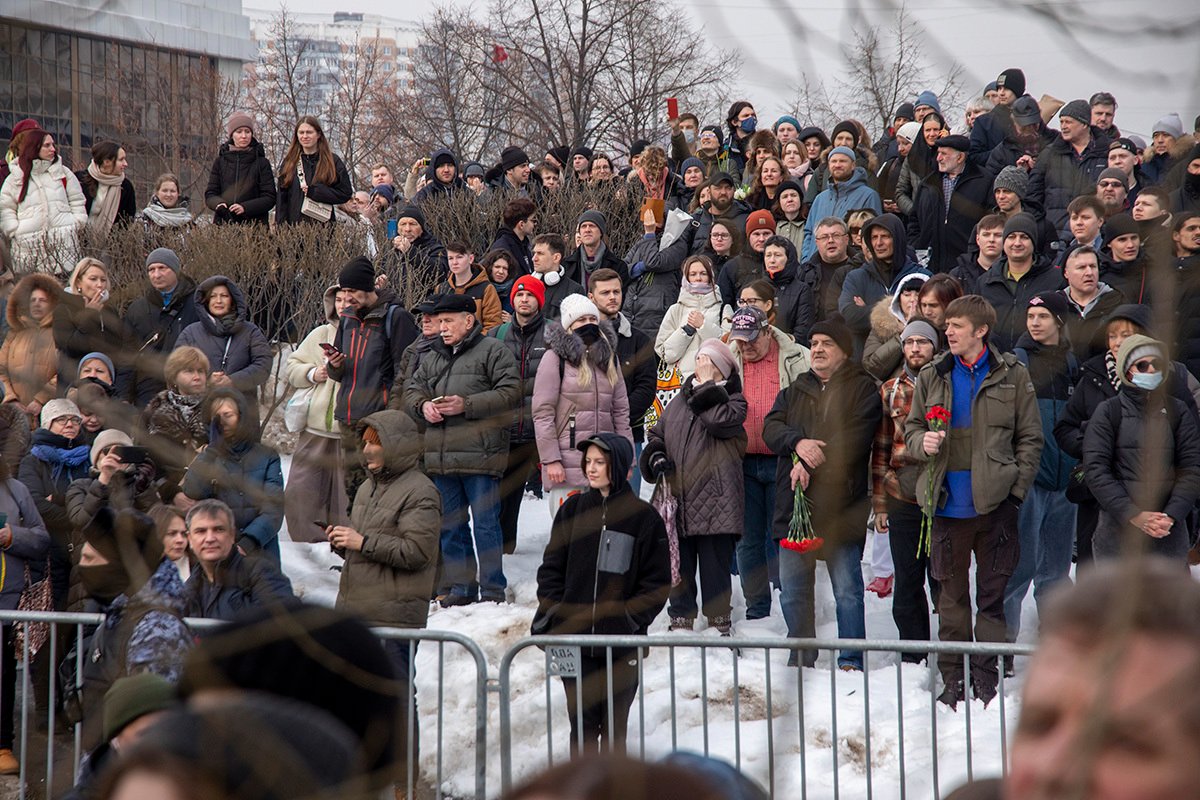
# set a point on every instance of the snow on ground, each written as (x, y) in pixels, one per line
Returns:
(893, 694)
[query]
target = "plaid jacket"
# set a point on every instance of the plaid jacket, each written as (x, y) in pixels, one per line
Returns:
(892, 471)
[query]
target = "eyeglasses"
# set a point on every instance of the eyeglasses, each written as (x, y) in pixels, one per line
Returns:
(1111, 185)
(830, 237)
(752, 301)
(716, 235)
(68, 420)
(916, 341)
(1148, 365)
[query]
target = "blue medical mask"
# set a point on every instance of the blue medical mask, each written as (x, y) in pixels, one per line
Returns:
(749, 125)
(1147, 380)
(689, 135)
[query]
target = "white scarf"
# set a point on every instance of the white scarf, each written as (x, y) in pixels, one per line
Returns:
(108, 199)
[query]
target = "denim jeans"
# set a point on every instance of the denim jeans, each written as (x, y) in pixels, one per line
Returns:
(635, 480)
(479, 494)
(757, 550)
(797, 577)
(1046, 528)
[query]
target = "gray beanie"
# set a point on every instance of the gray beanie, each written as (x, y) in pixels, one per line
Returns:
(163, 255)
(1170, 124)
(1112, 173)
(1014, 179)
(1077, 109)
(919, 327)
(596, 218)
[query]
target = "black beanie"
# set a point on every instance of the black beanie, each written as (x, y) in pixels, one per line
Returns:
(1119, 225)
(835, 328)
(1054, 302)
(637, 147)
(1022, 223)
(512, 157)
(1012, 79)
(847, 126)
(357, 274)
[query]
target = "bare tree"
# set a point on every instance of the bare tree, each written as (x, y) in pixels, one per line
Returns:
(353, 122)
(281, 87)
(881, 67)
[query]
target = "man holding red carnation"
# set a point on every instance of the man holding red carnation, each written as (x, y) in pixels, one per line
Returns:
(981, 466)
(826, 419)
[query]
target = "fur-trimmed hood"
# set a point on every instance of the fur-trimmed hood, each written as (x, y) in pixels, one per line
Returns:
(884, 323)
(17, 312)
(570, 348)
(1179, 150)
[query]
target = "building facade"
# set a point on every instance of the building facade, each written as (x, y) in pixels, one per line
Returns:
(153, 75)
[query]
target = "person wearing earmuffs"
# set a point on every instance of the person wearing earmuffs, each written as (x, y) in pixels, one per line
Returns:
(548, 252)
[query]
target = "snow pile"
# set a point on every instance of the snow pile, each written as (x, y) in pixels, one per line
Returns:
(802, 728)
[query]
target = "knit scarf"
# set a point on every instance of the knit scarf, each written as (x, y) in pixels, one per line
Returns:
(60, 458)
(175, 217)
(1110, 367)
(655, 187)
(108, 199)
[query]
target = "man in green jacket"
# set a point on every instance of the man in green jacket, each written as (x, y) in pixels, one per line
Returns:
(391, 549)
(981, 463)
(466, 389)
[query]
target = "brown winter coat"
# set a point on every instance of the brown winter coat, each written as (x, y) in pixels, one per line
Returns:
(399, 512)
(29, 359)
(702, 430)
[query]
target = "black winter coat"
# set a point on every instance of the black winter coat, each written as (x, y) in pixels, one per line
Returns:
(575, 269)
(702, 431)
(737, 272)
(1141, 452)
(1009, 151)
(639, 366)
(240, 584)
(654, 288)
(947, 233)
(582, 592)
(844, 413)
(795, 310)
(520, 252)
(527, 343)
(79, 330)
(241, 177)
(1010, 306)
(1187, 338)
(1059, 176)
(242, 351)
(155, 330)
(370, 368)
(289, 198)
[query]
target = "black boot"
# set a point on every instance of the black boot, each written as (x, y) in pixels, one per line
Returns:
(954, 693)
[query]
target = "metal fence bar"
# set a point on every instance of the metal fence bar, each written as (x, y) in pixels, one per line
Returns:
(966, 694)
(737, 711)
(900, 724)
(770, 725)
(833, 751)
(866, 675)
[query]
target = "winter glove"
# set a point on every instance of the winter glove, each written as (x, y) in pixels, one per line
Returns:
(637, 270)
(661, 466)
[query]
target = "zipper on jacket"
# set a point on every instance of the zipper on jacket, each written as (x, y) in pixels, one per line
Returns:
(599, 551)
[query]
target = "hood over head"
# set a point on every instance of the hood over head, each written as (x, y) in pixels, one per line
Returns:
(239, 299)
(892, 224)
(399, 436)
(18, 302)
(620, 456)
(1134, 349)
(328, 304)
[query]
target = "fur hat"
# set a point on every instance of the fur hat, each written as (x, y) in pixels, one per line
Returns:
(573, 307)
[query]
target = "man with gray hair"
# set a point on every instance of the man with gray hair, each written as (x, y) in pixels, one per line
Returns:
(227, 581)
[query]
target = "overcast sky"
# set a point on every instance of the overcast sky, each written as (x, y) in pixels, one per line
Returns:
(1151, 70)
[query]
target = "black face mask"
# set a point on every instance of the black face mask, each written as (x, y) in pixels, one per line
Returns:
(590, 333)
(103, 581)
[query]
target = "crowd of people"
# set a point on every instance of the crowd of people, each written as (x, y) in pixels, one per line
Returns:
(974, 340)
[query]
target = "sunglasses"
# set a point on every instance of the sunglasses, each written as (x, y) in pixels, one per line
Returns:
(1148, 365)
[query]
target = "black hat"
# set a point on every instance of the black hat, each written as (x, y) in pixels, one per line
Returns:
(1131, 312)
(721, 177)
(443, 157)
(473, 169)
(1012, 79)
(835, 328)
(811, 131)
(357, 274)
(849, 127)
(426, 306)
(1120, 225)
(955, 142)
(562, 153)
(1022, 223)
(1125, 143)
(451, 303)
(790, 183)
(905, 111)
(512, 157)
(1054, 302)
(637, 147)
(413, 212)
(1077, 110)
(1026, 111)
(714, 129)
(582, 150)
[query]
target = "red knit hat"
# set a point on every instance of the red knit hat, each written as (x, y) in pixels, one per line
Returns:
(532, 285)
(760, 220)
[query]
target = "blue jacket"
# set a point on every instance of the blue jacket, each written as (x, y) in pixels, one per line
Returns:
(30, 540)
(1054, 371)
(836, 201)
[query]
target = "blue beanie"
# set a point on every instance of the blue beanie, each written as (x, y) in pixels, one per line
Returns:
(102, 358)
(845, 151)
(928, 98)
(689, 162)
(795, 123)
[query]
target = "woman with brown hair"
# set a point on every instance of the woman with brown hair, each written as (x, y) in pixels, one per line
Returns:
(108, 194)
(764, 189)
(312, 178)
(169, 207)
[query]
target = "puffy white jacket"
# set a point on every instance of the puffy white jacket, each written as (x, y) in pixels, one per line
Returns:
(673, 344)
(47, 220)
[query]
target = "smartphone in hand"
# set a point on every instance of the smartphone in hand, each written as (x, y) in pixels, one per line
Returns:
(329, 350)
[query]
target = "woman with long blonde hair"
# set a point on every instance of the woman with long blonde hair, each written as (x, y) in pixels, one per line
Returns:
(578, 393)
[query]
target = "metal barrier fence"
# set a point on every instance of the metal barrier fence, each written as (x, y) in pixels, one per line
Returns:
(430, 694)
(731, 699)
